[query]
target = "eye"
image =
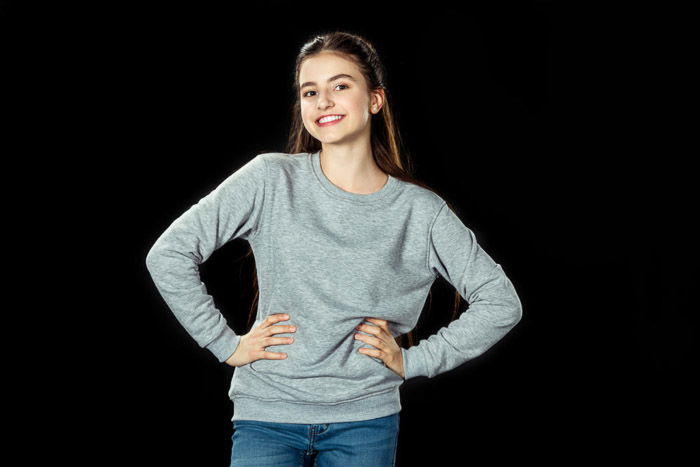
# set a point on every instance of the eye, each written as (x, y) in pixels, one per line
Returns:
(339, 84)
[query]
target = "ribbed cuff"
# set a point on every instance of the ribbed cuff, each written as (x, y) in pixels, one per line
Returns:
(412, 363)
(225, 345)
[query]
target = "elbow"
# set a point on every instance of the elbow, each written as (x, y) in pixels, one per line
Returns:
(517, 313)
(511, 311)
(516, 310)
(507, 313)
(513, 307)
(152, 259)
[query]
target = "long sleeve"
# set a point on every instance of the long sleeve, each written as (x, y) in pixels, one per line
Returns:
(494, 306)
(232, 210)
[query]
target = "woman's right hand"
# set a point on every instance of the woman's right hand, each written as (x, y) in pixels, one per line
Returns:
(252, 345)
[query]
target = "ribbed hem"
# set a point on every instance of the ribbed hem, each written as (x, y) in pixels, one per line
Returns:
(375, 406)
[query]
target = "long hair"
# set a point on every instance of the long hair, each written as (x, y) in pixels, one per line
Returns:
(385, 139)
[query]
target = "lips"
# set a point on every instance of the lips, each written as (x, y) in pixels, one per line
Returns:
(332, 121)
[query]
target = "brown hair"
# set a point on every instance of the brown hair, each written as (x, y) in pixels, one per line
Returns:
(387, 147)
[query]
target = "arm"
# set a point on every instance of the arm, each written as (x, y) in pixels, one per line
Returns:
(494, 307)
(232, 210)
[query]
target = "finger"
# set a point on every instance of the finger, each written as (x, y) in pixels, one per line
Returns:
(280, 329)
(376, 320)
(275, 355)
(368, 328)
(272, 319)
(374, 341)
(382, 323)
(371, 352)
(270, 341)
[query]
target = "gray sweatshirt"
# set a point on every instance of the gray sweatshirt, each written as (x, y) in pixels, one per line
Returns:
(329, 259)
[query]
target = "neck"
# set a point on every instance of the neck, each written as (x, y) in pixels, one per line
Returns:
(352, 170)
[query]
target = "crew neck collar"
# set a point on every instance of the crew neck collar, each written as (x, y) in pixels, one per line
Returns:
(315, 161)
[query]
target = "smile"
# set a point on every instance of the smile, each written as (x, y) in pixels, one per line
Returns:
(331, 120)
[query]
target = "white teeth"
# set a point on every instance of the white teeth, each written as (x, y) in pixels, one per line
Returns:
(330, 119)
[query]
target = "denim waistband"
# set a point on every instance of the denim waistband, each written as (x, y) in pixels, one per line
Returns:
(373, 406)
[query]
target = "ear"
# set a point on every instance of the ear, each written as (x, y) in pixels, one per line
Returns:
(376, 100)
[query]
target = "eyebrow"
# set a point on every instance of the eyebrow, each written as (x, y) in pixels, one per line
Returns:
(332, 78)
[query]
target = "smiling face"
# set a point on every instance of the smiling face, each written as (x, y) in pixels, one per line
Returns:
(346, 94)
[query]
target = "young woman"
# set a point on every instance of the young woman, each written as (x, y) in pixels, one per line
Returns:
(347, 246)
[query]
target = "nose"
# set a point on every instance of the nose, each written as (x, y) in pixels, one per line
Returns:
(323, 101)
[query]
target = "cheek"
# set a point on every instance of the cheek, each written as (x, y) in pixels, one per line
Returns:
(308, 113)
(306, 117)
(360, 110)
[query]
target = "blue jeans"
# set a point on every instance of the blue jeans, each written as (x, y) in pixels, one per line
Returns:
(367, 443)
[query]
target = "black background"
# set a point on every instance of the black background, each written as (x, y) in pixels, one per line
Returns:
(557, 133)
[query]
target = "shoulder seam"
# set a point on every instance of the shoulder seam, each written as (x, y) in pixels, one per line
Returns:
(430, 234)
(262, 203)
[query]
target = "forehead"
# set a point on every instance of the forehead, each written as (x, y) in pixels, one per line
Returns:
(322, 66)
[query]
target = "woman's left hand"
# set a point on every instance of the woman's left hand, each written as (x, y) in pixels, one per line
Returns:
(387, 349)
